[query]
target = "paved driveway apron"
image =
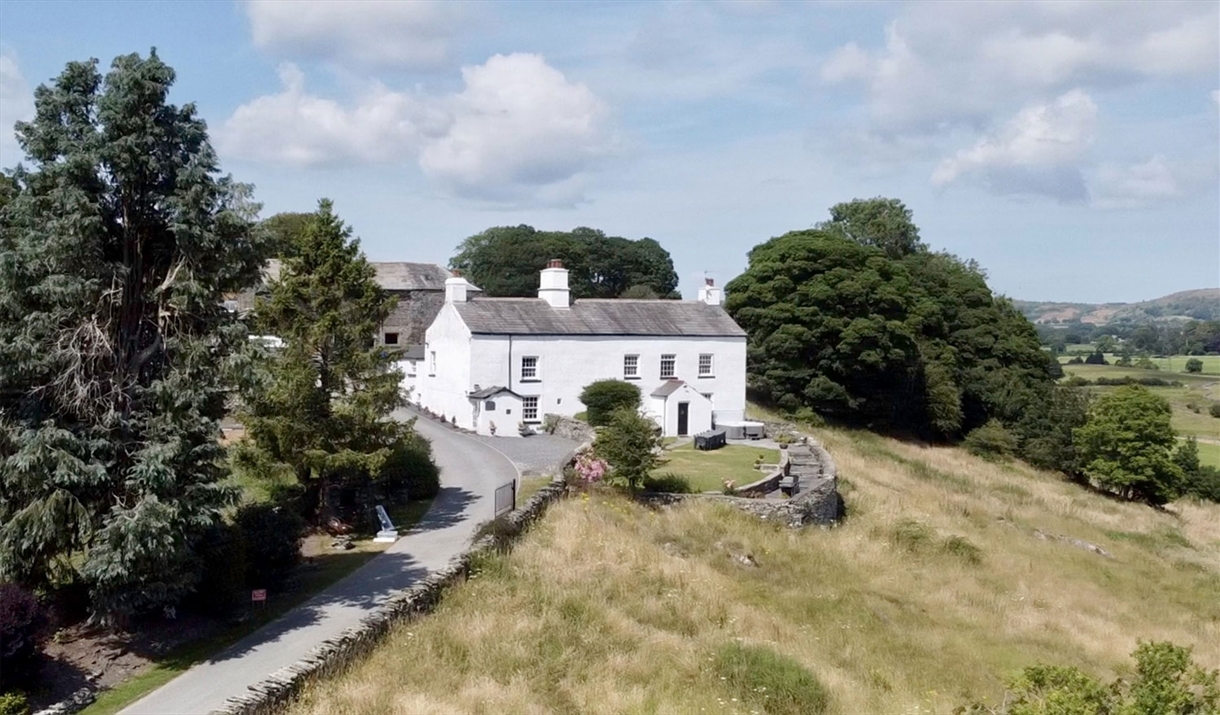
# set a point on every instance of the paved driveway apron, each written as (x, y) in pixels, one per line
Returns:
(470, 472)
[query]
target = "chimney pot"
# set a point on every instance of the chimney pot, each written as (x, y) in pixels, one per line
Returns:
(709, 281)
(554, 263)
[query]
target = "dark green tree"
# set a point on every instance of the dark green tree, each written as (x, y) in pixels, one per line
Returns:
(285, 231)
(1194, 365)
(323, 407)
(115, 252)
(879, 222)
(1127, 443)
(1045, 429)
(603, 398)
(505, 261)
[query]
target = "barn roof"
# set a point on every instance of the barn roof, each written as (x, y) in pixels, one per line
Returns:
(400, 275)
(534, 316)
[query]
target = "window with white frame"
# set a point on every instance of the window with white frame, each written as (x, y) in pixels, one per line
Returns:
(705, 365)
(432, 362)
(529, 367)
(631, 366)
(667, 365)
(529, 409)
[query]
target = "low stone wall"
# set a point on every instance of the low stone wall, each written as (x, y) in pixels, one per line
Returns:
(769, 483)
(571, 428)
(335, 655)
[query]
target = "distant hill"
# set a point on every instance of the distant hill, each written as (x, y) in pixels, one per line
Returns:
(1202, 304)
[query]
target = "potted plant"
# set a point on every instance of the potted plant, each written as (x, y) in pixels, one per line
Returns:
(491, 427)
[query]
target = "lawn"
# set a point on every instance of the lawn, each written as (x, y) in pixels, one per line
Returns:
(948, 575)
(318, 573)
(708, 471)
(1209, 453)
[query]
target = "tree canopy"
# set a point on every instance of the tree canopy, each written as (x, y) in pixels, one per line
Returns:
(916, 343)
(323, 406)
(1127, 445)
(505, 261)
(880, 222)
(116, 248)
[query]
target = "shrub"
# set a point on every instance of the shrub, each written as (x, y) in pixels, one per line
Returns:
(1076, 361)
(23, 628)
(272, 535)
(960, 547)
(1214, 410)
(1077, 381)
(914, 536)
(768, 681)
(14, 704)
(807, 416)
(991, 441)
(605, 397)
(629, 444)
(1096, 358)
(410, 468)
(1194, 365)
(1166, 682)
(668, 482)
(1145, 363)
(1203, 483)
(222, 578)
(550, 423)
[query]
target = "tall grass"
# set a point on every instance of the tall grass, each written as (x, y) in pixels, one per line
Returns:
(948, 574)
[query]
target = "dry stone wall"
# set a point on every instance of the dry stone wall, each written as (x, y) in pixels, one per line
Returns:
(337, 654)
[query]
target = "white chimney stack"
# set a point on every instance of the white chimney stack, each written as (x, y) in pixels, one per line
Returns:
(709, 293)
(553, 287)
(455, 289)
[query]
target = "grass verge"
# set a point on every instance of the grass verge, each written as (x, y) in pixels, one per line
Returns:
(315, 575)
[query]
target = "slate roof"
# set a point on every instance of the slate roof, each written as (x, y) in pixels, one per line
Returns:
(668, 387)
(412, 276)
(489, 391)
(414, 352)
(533, 316)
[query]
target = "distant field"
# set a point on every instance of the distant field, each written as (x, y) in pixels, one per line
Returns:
(948, 574)
(1173, 363)
(1197, 390)
(1209, 453)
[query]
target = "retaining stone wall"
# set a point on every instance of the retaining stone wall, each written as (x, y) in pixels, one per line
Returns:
(572, 428)
(335, 655)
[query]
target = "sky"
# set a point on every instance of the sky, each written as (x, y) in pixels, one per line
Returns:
(1071, 148)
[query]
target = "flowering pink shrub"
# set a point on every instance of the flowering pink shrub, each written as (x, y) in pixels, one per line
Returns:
(590, 469)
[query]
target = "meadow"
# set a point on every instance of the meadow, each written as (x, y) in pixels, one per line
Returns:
(948, 574)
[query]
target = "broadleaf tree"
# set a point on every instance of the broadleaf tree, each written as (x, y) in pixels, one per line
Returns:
(323, 408)
(1127, 446)
(117, 245)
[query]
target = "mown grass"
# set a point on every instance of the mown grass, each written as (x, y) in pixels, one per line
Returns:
(1209, 453)
(707, 471)
(949, 574)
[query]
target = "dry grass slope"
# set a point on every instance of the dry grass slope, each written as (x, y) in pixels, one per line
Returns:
(936, 587)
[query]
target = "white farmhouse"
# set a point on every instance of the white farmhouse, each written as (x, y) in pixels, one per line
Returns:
(498, 362)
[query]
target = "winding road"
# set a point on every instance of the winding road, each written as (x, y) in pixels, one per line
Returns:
(470, 472)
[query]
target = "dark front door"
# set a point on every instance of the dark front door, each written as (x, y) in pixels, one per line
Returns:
(683, 418)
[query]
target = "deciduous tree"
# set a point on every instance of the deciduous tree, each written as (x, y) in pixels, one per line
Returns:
(1127, 444)
(879, 222)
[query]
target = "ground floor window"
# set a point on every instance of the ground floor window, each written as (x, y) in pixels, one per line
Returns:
(529, 409)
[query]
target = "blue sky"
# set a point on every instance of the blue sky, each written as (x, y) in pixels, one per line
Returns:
(1072, 149)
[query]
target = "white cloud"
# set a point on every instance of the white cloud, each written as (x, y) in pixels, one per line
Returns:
(16, 105)
(519, 132)
(519, 127)
(366, 32)
(1034, 152)
(299, 129)
(1135, 185)
(959, 63)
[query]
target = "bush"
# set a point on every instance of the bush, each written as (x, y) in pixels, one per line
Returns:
(1194, 365)
(991, 441)
(1076, 361)
(1077, 381)
(768, 681)
(629, 444)
(23, 628)
(410, 468)
(1096, 358)
(272, 536)
(605, 397)
(1214, 410)
(14, 704)
(1145, 363)
(1166, 682)
(222, 578)
(1203, 483)
(668, 482)
(550, 423)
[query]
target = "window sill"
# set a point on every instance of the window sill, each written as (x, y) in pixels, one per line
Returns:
(530, 379)
(631, 377)
(706, 377)
(669, 377)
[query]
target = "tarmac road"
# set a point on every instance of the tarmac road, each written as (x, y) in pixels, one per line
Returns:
(470, 472)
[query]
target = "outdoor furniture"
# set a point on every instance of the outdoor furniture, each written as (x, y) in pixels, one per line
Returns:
(788, 484)
(712, 439)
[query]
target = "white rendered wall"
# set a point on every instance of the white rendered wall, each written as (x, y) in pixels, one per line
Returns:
(410, 378)
(446, 390)
(568, 363)
(506, 416)
(699, 414)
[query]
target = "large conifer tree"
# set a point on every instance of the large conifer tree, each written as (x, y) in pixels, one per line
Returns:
(324, 406)
(115, 252)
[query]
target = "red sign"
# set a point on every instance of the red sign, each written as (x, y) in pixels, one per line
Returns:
(258, 594)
